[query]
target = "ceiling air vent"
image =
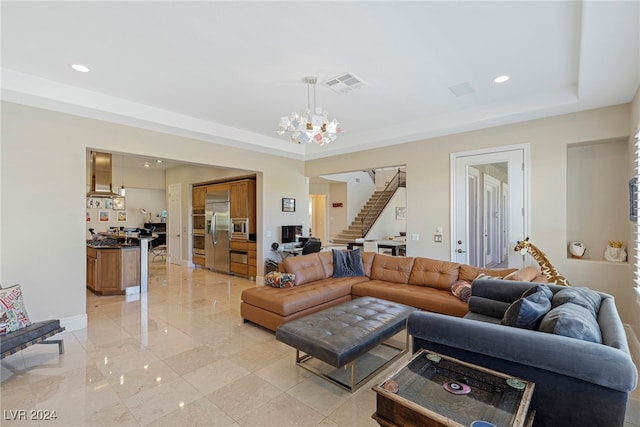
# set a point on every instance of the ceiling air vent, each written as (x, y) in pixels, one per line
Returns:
(462, 89)
(344, 83)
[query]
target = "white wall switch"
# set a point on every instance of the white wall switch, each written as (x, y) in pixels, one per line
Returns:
(437, 238)
(415, 236)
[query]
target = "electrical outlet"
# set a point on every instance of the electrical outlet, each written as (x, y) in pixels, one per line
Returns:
(437, 238)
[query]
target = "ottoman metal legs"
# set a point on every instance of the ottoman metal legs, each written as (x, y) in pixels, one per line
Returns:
(343, 336)
(353, 385)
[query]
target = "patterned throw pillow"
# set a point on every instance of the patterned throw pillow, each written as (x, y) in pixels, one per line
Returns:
(462, 289)
(280, 280)
(13, 314)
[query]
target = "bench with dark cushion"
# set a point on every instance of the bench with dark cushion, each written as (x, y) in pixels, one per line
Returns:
(36, 333)
(339, 335)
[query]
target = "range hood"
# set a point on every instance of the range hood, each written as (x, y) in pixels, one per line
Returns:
(100, 168)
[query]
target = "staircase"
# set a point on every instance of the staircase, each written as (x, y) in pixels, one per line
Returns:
(371, 210)
(365, 218)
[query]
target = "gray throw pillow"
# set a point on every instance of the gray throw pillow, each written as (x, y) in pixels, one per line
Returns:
(572, 320)
(347, 263)
(527, 311)
(584, 297)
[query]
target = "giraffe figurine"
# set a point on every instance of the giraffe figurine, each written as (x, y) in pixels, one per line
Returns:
(546, 267)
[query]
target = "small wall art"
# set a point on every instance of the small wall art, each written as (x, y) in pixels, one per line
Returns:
(108, 203)
(122, 216)
(118, 203)
(288, 205)
(104, 216)
(401, 212)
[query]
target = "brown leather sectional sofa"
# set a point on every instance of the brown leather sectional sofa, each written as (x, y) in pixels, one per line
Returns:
(423, 283)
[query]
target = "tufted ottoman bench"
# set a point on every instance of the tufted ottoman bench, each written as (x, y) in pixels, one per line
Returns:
(341, 334)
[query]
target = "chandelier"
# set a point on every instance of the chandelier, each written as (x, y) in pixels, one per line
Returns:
(310, 125)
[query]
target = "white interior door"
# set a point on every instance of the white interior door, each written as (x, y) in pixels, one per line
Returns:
(467, 235)
(491, 221)
(174, 227)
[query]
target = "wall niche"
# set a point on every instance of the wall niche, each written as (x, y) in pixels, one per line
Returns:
(597, 195)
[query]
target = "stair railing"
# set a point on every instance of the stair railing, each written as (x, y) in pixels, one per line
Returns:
(398, 180)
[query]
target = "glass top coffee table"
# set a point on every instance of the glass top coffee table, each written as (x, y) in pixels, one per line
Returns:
(436, 390)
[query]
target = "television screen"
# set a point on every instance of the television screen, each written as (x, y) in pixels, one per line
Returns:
(291, 233)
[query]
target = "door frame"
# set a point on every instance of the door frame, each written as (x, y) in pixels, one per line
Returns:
(526, 176)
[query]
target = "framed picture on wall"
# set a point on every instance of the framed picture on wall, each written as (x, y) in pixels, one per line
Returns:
(401, 212)
(108, 203)
(104, 216)
(288, 205)
(122, 216)
(118, 203)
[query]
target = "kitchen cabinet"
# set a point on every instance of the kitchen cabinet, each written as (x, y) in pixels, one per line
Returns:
(198, 197)
(212, 188)
(252, 255)
(242, 196)
(111, 270)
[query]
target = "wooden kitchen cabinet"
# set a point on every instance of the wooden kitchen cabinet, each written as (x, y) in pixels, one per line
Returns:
(242, 196)
(252, 255)
(111, 270)
(223, 186)
(198, 197)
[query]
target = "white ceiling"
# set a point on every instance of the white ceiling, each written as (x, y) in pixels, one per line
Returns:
(226, 71)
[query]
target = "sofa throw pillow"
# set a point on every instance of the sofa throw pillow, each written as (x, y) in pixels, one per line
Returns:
(347, 263)
(572, 320)
(486, 276)
(462, 289)
(528, 311)
(13, 314)
(277, 279)
(585, 297)
(525, 274)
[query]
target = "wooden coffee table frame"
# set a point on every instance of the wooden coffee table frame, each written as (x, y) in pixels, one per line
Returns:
(395, 410)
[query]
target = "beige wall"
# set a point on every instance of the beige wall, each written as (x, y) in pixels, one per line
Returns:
(633, 318)
(428, 183)
(42, 193)
(43, 202)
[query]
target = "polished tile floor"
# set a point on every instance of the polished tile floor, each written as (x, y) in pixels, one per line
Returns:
(179, 356)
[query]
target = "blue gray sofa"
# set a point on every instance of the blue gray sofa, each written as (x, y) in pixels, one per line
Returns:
(577, 383)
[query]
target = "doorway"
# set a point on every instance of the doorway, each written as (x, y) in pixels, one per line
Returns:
(317, 216)
(489, 205)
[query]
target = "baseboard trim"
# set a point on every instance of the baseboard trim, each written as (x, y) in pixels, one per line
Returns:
(634, 343)
(74, 323)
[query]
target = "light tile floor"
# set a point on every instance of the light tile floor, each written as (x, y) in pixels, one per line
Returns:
(179, 356)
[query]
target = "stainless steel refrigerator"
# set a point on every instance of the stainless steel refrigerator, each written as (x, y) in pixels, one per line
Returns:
(217, 239)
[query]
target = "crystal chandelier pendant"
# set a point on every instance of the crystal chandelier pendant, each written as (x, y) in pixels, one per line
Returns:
(307, 127)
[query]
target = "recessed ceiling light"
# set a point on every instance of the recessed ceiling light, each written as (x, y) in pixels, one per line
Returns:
(146, 164)
(501, 79)
(158, 161)
(81, 68)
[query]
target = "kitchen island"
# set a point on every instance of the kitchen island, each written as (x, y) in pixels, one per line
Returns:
(111, 269)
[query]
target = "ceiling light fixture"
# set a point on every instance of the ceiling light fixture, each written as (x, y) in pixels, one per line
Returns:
(146, 165)
(501, 79)
(81, 68)
(310, 125)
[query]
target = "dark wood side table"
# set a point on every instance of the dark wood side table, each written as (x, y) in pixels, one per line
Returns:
(422, 398)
